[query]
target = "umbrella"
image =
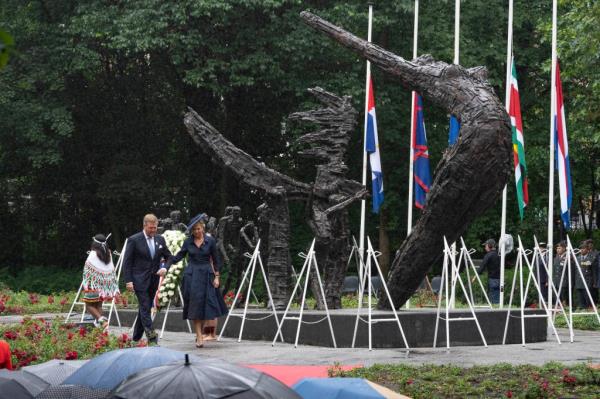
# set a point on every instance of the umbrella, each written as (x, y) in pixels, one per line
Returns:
(54, 371)
(210, 378)
(31, 382)
(74, 392)
(12, 389)
(111, 368)
(343, 388)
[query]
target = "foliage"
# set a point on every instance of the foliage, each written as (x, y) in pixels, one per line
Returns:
(91, 106)
(502, 380)
(6, 46)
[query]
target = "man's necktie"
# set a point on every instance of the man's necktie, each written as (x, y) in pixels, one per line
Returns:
(151, 247)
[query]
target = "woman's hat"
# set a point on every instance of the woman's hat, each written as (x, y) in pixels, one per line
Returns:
(201, 217)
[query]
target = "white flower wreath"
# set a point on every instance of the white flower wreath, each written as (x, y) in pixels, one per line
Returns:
(174, 239)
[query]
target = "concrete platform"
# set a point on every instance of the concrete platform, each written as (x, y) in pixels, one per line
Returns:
(418, 325)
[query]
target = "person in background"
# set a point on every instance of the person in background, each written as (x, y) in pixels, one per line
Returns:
(595, 270)
(99, 279)
(491, 262)
(558, 265)
(5, 355)
(541, 265)
(587, 275)
(202, 299)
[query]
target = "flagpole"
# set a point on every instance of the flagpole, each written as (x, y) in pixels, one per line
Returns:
(361, 245)
(456, 62)
(509, 51)
(550, 244)
(412, 129)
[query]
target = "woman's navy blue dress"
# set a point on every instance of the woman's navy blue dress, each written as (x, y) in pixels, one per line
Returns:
(201, 300)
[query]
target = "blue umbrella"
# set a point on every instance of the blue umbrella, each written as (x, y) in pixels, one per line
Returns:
(342, 388)
(111, 368)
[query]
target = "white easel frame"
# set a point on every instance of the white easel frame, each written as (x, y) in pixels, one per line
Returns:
(251, 268)
(118, 268)
(465, 255)
(372, 258)
(571, 255)
(450, 261)
(309, 262)
(522, 253)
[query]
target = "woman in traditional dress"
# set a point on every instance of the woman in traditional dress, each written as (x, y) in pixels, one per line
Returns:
(99, 279)
(202, 299)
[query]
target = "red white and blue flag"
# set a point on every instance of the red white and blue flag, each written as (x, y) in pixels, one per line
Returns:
(372, 148)
(562, 152)
(421, 171)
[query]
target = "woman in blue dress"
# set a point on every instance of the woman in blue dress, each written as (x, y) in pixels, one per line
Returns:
(202, 299)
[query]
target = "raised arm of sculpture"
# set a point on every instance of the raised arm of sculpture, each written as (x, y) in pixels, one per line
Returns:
(240, 163)
(472, 173)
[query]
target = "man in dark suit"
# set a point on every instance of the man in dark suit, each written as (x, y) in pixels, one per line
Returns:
(142, 268)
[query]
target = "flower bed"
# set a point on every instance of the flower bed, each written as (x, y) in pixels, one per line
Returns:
(552, 380)
(38, 340)
(17, 303)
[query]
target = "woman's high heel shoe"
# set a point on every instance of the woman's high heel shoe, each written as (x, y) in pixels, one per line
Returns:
(199, 345)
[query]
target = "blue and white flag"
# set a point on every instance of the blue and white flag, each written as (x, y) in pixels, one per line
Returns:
(372, 148)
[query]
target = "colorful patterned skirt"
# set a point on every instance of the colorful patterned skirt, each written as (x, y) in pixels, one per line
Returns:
(98, 286)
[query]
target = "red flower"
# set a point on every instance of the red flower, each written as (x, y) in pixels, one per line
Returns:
(82, 331)
(2, 307)
(509, 394)
(71, 355)
(63, 301)
(50, 299)
(12, 335)
(409, 381)
(142, 343)
(70, 335)
(33, 298)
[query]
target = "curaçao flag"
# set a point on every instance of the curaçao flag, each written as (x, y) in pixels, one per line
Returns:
(372, 148)
(454, 131)
(514, 111)
(562, 152)
(421, 171)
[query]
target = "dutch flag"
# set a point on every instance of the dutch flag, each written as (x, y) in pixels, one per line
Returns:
(562, 152)
(372, 148)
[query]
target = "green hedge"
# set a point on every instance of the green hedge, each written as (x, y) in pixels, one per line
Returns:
(41, 279)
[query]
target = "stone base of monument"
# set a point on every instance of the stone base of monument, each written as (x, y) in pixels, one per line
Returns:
(418, 325)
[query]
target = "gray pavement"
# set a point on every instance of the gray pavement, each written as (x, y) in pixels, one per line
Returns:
(585, 348)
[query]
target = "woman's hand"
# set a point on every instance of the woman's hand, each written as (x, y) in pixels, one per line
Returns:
(216, 282)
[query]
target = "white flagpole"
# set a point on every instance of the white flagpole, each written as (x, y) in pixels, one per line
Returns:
(412, 129)
(509, 51)
(551, 167)
(361, 244)
(456, 61)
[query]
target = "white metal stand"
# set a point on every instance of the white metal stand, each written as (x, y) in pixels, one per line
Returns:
(522, 253)
(254, 259)
(571, 255)
(451, 277)
(465, 256)
(309, 262)
(357, 256)
(118, 268)
(372, 258)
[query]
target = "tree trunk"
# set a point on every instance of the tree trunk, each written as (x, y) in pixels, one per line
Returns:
(471, 174)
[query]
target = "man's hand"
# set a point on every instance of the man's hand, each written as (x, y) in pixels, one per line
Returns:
(129, 286)
(161, 272)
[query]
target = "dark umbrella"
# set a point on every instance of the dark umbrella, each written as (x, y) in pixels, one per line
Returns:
(31, 382)
(54, 371)
(210, 378)
(111, 368)
(74, 392)
(12, 389)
